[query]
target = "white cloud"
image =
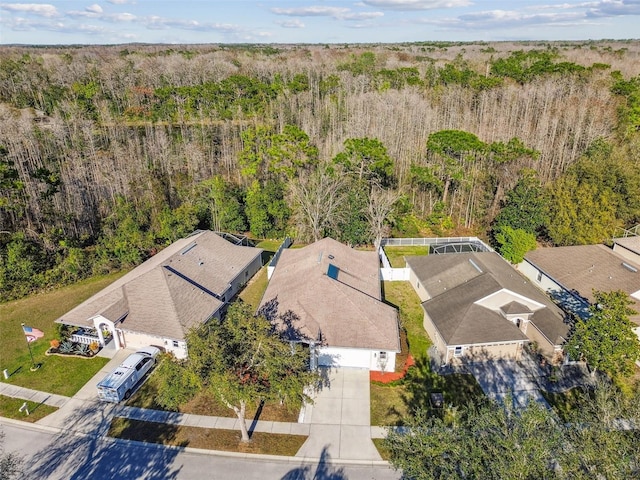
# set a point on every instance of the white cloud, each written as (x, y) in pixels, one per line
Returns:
(40, 9)
(295, 23)
(497, 19)
(615, 8)
(95, 8)
(338, 13)
(313, 11)
(94, 14)
(155, 22)
(121, 17)
(412, 5)
(120, 2)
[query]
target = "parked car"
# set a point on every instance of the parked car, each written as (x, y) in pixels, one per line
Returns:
(120, 383)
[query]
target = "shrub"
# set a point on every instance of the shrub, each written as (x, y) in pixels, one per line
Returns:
(66, 347)
(55, 344)
(82, 349)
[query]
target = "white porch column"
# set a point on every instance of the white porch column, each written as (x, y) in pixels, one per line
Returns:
(98, 322)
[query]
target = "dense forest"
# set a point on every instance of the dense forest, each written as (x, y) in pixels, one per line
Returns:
(109, 153)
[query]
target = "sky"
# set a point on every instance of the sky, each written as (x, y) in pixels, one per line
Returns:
(314, 21)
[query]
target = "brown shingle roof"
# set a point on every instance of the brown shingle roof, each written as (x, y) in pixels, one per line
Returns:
(586, 268)
(630, 243)
(172, 291)
(457, 281)
(345, 311)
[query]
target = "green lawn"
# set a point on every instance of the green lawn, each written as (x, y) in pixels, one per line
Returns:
(390, 404)
(60, 375)
(396, 254)
(10, 408)
(252, 293)
(270, 245)
(403, 296)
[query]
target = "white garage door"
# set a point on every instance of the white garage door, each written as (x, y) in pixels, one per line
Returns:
(344, 357)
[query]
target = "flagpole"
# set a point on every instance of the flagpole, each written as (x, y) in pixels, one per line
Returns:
(33, 362)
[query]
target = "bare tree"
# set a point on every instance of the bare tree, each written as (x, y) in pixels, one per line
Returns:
(381, 204)
(317, 198)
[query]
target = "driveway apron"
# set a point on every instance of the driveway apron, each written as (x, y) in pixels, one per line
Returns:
(497, 378)
(340, 417)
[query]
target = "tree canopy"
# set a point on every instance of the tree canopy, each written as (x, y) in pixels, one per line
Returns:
(606, 339)
(241, 360)
(500, 441)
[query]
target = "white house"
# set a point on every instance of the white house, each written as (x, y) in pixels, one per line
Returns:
(328, 295)
(182, 286)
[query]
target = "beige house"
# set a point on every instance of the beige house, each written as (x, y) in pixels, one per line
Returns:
(628, 247)
(477, 307)
(571, 274)
(328, 296)
(182, 286)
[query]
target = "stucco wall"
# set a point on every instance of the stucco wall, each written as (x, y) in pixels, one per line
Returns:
(563, 298)
(418, 287)
(504, 296)
(354, 357)
(511, 351)
(435, 337)
(545, 346)
(135, 340)
(244, 276)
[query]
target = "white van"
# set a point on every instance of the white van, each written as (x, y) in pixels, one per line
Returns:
(120, 383)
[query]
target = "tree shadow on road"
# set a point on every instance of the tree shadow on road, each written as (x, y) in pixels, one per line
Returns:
(81, 452)
(323, 471)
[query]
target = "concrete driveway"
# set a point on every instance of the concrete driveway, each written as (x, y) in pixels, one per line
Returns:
(499, 377)
(340, 417)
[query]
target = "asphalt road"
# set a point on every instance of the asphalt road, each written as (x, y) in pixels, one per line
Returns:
(69, 456)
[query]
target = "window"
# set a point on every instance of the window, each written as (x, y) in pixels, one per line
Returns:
(539, 277)
(383, 355)
(176, 344)
(457, 352)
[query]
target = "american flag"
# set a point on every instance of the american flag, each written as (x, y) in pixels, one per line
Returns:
(32, 333)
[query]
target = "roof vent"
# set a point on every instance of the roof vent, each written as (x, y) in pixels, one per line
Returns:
(331, 257)
(189, 247)
(631, 268)
(475, 265)
(200, 262)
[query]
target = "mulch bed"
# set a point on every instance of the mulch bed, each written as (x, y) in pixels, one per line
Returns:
(388, 377)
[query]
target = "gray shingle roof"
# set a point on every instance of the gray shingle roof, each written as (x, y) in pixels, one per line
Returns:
(457, 281)
(345, 311)
(173, 290)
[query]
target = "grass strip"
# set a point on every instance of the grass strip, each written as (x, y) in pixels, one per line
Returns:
(9, 408)
(403, 296)
(205, 438)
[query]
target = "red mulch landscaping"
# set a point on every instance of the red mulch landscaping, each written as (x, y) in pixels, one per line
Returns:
(389, 377)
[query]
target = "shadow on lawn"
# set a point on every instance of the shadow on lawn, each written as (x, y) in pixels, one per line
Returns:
(457, 389)
(76, 455)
